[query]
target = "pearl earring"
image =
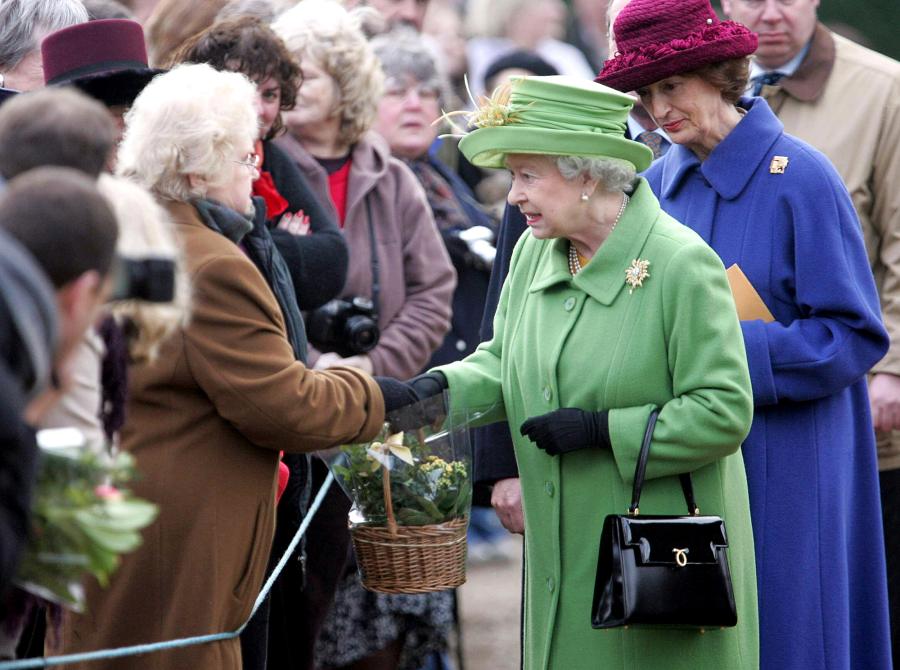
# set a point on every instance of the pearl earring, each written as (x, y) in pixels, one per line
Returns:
(585, 197)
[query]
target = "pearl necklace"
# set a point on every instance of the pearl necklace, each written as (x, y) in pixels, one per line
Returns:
(574, 261)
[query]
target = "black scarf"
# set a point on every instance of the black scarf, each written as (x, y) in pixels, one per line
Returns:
(257, 242)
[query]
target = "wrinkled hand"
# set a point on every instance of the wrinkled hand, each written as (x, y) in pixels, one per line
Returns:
(884, 397)
(506, 499)
(333, 360)
(568, 429)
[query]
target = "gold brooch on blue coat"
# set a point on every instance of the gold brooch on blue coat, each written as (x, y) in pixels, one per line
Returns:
(778, 165)
(636, 273)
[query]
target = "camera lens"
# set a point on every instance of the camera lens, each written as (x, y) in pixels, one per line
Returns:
(361, 333)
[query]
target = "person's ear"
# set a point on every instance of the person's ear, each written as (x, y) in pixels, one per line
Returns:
(589, 184)
(78, 300)
(197, 183)
(77, 303)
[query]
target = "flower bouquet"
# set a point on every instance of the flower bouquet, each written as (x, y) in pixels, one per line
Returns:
(82, 520)
(411, 489)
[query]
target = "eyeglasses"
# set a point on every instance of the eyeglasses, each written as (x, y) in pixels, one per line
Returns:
(756, 4)
(399, 91)
(251, 161)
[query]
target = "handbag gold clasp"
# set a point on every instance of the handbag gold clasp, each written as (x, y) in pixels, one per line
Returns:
(681, 556)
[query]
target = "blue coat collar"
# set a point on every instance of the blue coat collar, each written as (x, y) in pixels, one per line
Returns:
(604, 277)
(732, 164)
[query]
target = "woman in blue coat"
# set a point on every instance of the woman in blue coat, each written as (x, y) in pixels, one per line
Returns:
(776, 207)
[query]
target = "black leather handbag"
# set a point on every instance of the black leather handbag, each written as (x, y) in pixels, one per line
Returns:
(662, 571)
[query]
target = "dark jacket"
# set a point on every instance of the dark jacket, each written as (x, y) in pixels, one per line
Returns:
(318, 260)
(494, 456)
(28, 331)
(18, 469)
(472, 278)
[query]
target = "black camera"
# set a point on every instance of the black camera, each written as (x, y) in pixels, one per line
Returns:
(346, 327)
(147, 279)
(473, 247)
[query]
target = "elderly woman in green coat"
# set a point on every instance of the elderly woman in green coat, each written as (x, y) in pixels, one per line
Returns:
(611, 308)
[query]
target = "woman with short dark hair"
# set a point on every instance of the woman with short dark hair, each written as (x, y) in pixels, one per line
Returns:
(776, 207)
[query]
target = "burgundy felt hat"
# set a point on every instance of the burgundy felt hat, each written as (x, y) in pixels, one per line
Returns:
(107, 59)
(656, 39)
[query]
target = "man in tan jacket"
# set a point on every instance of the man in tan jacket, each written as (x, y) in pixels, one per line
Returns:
(844, 99)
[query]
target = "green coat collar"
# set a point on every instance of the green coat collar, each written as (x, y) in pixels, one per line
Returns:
(604, 277)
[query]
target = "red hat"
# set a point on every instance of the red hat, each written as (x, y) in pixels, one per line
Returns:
(107, 59)
(656, 39)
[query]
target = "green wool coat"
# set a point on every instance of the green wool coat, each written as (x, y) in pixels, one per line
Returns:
(589, 342)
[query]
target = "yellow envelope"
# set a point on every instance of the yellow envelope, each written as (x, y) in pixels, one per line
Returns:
(750, 306)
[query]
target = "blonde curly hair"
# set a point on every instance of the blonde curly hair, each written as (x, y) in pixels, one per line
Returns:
(145, 231)
(327, 34)
(188, 121)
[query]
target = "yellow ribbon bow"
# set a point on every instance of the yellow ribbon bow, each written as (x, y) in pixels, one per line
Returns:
(380, 452)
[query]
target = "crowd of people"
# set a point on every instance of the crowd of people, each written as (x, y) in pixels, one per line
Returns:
(338, 209)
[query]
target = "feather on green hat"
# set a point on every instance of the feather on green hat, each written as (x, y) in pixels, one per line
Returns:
(557, 116)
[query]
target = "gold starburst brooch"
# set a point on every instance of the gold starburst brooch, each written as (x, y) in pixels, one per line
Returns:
(636, 273)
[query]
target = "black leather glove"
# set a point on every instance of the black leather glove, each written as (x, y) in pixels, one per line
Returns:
(396, 394)
(568, 429)
(429, 384)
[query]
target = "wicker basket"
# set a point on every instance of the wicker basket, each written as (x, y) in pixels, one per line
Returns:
(411, 559)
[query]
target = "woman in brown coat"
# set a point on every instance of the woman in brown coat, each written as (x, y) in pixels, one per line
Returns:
(206, 421)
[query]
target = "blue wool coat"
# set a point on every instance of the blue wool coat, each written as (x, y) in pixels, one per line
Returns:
(810, 455)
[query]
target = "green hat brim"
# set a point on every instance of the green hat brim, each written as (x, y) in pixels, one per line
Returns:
(488, 147)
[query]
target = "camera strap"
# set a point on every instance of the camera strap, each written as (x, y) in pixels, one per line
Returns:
(376, 285)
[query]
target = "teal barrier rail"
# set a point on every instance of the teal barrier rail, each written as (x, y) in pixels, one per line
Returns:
(136, 649)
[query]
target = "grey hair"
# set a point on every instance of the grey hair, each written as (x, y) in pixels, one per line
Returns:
(264, 10)
(107, 9)
(20, 21)
(613, 175)
(405, 53)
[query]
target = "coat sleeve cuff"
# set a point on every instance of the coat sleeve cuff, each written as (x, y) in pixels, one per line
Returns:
(626, 433)
(374, 406)
(762, 378)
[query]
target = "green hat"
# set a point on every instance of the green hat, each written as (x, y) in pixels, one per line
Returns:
(557, 116)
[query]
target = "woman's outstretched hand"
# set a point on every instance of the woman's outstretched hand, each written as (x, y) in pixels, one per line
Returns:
(568, 429)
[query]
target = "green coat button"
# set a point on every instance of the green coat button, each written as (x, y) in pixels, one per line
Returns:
(569, 304)
(547, 393)
(551, 584)
(548, 487)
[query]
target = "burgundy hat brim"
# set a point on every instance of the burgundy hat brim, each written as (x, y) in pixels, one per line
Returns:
(668, 61)
(115, 88)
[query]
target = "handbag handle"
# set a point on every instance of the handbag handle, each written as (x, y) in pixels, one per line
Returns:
(687, 486)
